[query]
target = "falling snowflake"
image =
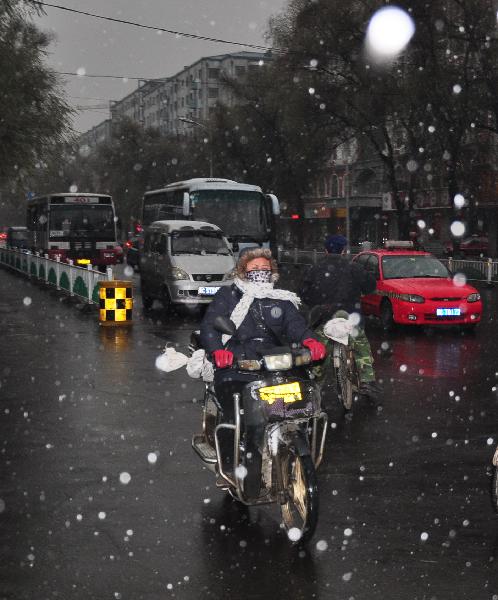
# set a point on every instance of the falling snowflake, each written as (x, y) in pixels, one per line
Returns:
(294, 534)
(124, 478)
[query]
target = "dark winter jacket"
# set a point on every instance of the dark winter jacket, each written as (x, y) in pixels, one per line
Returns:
(336, 283)
(268, 323)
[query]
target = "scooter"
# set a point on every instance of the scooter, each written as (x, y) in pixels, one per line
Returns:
(278, 436)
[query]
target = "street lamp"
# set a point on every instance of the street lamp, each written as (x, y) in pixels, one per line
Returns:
(192, 122)
(348, 223)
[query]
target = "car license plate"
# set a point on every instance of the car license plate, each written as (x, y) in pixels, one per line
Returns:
(83, 261)
(207, 291)
(448, 312)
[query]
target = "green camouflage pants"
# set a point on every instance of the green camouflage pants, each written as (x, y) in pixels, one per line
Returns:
(361, 350)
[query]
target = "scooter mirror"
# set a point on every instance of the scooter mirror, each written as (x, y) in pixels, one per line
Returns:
(224, 325)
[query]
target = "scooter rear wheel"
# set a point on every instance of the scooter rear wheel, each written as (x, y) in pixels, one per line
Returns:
(300, 494)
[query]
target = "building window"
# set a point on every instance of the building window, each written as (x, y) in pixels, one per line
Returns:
(240, 71)
(213, 73)
(334, 191)
(213, 93)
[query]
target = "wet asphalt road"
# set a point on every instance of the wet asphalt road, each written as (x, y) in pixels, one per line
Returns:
(405, 508)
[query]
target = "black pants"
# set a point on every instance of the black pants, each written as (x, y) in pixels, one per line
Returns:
(226, 385)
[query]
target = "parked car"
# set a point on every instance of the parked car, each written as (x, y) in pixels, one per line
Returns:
(184, 263)
(475, 245)
(415, 288)
(17, 237)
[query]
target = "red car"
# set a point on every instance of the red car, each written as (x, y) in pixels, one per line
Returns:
(415, 288)
(475, 245)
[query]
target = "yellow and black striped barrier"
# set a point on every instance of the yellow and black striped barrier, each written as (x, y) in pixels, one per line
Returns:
(116, 302)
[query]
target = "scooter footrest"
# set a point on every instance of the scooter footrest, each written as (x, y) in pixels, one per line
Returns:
(204, 449)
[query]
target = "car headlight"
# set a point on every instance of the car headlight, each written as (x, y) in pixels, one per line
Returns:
(412, 298)
(278, 362)
(474, 297)
(229, 275)
(176, 273)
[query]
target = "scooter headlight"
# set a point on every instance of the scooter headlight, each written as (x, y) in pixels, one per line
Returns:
(278, 362)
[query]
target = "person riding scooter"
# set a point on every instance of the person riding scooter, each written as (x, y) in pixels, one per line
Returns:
(336, 284)
(264, 318)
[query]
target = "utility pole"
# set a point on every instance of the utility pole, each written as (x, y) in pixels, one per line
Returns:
(348, 224)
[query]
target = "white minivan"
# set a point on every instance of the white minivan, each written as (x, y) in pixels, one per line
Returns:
(184, 263)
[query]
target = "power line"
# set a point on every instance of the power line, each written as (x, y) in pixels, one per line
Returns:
(162, 29)
(122, 77)
(91, 98)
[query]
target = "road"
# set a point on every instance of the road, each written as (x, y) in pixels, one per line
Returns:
(102, 496)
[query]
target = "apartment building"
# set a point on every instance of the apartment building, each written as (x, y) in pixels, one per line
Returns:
(192, 94)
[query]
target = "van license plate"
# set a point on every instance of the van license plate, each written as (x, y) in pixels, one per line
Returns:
(207, 291)
(448, 312)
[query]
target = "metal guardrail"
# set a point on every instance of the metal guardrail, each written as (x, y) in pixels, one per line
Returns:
(82, 282)
(474, 270)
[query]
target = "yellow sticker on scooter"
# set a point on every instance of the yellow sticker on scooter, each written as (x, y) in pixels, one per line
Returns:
(288, 392)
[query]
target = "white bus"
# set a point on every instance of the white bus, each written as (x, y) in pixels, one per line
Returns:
(245, 215)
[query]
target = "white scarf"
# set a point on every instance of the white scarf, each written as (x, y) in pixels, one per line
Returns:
(251, 291)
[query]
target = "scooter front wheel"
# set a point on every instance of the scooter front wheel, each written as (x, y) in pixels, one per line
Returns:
(299, 504)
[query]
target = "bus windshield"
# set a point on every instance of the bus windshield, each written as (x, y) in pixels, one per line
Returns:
(198, 242)
(82, 221)
(240, 214)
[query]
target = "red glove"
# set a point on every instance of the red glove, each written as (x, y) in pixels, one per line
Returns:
(317, 349)
(223, 358)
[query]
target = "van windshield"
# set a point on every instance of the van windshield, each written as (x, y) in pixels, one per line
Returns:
(198, 242)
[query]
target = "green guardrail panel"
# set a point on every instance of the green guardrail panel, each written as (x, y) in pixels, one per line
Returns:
(33, 269)
(52, 277)
(18, 263)
(41, 272)
(25, 266)
(64, 281)
(80, 288)
(95, 294)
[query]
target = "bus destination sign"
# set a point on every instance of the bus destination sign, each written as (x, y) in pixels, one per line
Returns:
(81, 200)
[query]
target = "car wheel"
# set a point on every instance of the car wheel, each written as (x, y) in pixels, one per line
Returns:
(386, 316)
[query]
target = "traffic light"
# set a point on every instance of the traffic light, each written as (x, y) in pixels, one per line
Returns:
(295, 217)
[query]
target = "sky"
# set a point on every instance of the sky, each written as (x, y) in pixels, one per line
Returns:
(94, 46)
